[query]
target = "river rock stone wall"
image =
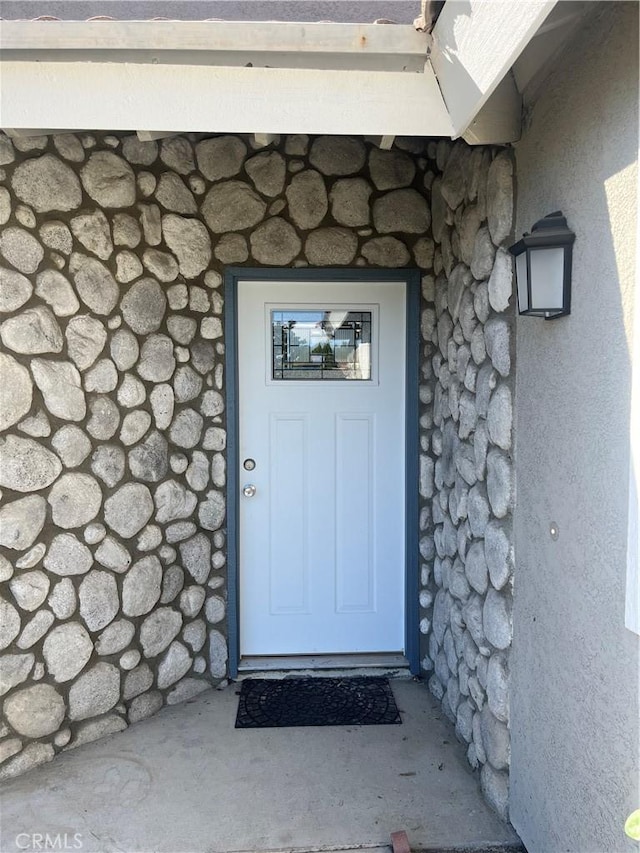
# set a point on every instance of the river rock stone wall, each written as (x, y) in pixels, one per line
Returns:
(466, 478)
(112, 452)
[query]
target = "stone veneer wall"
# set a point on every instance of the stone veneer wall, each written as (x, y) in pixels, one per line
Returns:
(466, 476)
(112, 456)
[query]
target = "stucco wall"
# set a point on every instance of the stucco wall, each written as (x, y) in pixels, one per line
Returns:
(574, 720)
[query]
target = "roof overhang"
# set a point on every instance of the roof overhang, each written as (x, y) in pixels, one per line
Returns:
(167, 77)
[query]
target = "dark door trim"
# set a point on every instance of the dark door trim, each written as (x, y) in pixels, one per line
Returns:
(411, 278)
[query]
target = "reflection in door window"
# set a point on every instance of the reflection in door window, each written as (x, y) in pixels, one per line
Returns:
(321, 344)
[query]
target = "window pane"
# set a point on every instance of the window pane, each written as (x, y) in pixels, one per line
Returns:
(321, 344)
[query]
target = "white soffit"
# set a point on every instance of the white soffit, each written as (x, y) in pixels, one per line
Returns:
(218, 76)
(475, 43)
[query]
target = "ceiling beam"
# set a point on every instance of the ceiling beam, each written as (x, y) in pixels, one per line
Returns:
(262, 36)
(197, 98)
(475, 43)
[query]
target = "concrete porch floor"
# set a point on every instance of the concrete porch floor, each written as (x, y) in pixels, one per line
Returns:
(187, 781)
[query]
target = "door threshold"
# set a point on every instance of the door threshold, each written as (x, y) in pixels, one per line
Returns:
(387, 663)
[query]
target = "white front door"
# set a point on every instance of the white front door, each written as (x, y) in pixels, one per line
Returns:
(321, 369)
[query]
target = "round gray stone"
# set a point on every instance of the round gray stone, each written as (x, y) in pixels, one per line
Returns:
(21, 522)
(501, 281)
(212, 511)
(143, 306)
(134, 426)
(126, 230)
(158, 630)
(182, 329)
(177, 155)
(59, 382)
(139, 153)
(25, 465)
(95, 692)
(46, 183)
(186, 428)
(349, 199)
(104, 418)
(75, 500)
(337, 155)
(386, 252)
(69, 146)
(86, 338)
(129, 509)
(391, 169)
(66, 651)
(30, 589)
(9, 623)
(232, 206)
(267, 171)
(71, 445)
(68, 556)
(187, 384)
(148, 461)
(307, 198)
(15, 290)
(191, 600)
(231, 249)
(141, 586)
(195, 554)
(124, 349)
(275, 242)
(172, 582)
(331, 247)
(500, 197)
(498, 553)
(162, 403)
(113, 555)
(99, 600)
(157, 361)
(33, 331)
(404, 211)
(497, 342)
(476, 567)
(500, 417)
(175, 663)
(57, 236)
(62, 599)
(161, 264)
(220, 157)
(218, 655)
(95, 285)
(499, 485)
(115, 637)
(17, 390)
(189, 241)
(173, 501)
(174, 195)
(103, 377)
(55, 289)
(93, 231)
(14, 669)
(109, 180)
(36, 711)
(195, 635)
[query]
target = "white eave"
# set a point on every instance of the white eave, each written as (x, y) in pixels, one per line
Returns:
(163, 77)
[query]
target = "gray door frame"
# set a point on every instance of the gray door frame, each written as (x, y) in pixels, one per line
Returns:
(411, 278)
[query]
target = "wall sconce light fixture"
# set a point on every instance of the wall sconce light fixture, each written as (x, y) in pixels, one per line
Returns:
(543, 268)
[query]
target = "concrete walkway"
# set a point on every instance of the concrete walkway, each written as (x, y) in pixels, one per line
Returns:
(187, 781)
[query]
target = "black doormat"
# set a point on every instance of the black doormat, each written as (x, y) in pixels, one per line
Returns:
(359, 701)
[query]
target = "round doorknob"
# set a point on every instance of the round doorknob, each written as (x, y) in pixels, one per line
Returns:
(249, 490)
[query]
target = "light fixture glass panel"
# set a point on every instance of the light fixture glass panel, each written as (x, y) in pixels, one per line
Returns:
(521, 282)
(321, 344)
(547, 274)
